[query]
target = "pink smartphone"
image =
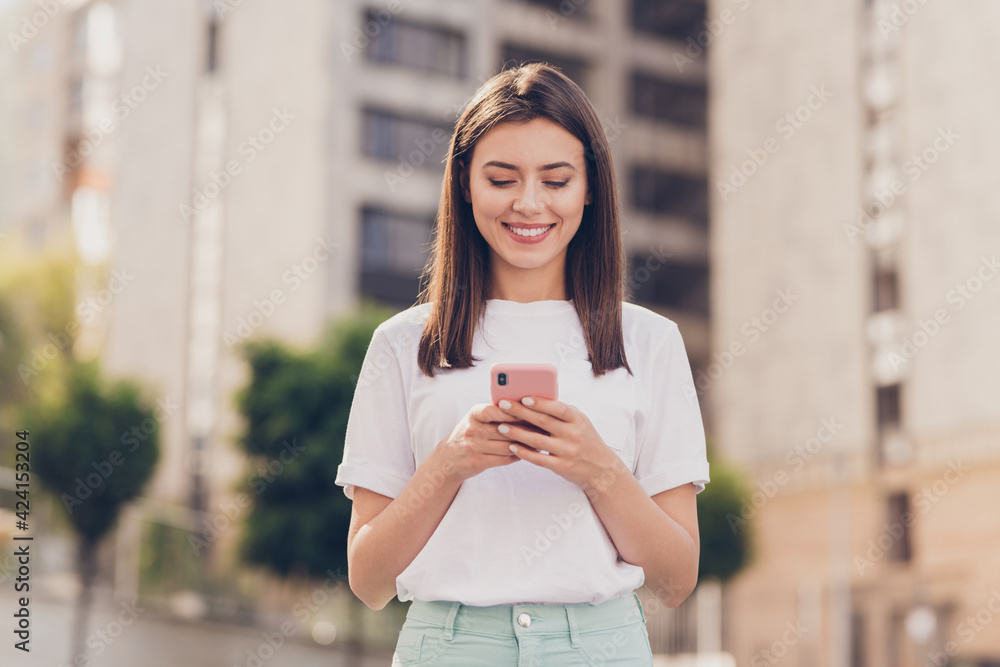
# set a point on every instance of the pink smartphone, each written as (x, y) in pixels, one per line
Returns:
(515, 381)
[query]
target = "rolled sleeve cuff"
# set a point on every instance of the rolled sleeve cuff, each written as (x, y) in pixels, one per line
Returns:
(350, 475)
(684, 472)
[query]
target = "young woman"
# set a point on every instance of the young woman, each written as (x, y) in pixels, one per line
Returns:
(518, 544)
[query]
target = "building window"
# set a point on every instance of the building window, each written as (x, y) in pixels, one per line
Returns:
(859, 632)
(898, 528)
(896, 638)
(889, 421)
(888, 408)
(394, 249)
(514, 55)
(390, 136)
(76, 100)
(679, 102)
(80, 37)
(678, 19)
(212, 56)
(886, 295)
(665, 193)
(575, 8)
(436, 49)
(659, 281)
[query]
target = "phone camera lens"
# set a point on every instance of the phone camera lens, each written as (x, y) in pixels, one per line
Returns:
(502, 379)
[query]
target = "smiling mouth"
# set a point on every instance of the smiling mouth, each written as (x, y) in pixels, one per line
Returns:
(528, 232)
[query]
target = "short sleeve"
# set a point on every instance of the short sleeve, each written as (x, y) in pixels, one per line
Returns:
(671, 447)
(377, 452)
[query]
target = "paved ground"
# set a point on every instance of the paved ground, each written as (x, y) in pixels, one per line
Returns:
(122, 637)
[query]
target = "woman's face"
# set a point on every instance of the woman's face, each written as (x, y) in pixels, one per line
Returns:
(530, 177)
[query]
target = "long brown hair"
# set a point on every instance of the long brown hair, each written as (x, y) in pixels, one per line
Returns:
(458, 270)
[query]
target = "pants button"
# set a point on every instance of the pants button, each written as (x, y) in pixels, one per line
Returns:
(524, 620)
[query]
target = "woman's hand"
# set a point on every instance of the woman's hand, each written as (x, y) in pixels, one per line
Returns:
(475, 444)
(575, 450)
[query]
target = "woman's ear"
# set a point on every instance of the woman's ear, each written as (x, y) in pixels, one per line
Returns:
(589, 196)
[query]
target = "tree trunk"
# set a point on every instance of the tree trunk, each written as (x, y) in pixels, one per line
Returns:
(86, 570)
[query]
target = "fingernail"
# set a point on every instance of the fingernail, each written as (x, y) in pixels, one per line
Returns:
(503, 428)
(528, 400)
(513, 448)
(505, 404)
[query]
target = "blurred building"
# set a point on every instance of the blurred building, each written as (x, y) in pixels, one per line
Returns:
(252, 168)
(856, 312)
(255, 168)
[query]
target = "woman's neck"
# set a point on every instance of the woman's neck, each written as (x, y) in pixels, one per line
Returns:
(511, 283)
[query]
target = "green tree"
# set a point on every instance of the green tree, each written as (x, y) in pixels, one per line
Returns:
(295, 408)
(725, 538)
(82, 452)
(37, 326)
(12, 351)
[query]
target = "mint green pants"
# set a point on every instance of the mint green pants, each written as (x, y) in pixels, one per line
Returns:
(451, 633)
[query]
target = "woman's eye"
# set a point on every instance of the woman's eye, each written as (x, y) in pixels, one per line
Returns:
(554, 184)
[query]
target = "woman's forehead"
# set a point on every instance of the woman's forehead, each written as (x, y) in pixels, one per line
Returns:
(535, 144)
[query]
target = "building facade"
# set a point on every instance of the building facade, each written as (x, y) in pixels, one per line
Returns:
(256, 168)
(855, 318)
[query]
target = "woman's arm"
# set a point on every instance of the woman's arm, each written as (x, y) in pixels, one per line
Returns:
(659, 534)
(386, 534)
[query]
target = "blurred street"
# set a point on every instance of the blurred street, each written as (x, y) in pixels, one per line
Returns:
(154, 641)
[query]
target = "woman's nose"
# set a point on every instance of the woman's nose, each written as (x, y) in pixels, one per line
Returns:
(527, 201)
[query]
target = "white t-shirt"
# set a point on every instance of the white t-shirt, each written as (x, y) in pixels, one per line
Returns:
(519, 533)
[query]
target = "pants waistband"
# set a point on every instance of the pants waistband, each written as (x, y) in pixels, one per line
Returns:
(524, 619)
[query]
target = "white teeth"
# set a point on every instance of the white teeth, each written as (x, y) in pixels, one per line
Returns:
(529, 232)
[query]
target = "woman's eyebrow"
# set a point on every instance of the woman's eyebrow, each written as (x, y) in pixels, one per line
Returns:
(545, 167)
